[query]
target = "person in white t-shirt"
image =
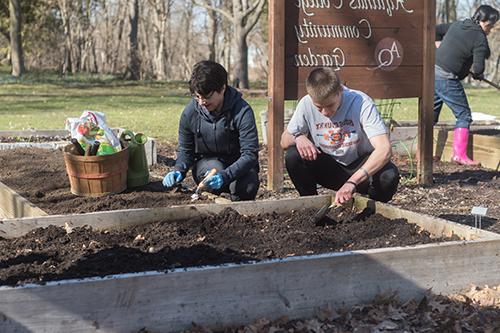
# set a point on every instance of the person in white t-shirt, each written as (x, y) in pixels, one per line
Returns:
(336, 138)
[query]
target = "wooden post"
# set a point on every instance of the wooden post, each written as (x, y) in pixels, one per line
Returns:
(426, 102)
(276, 93)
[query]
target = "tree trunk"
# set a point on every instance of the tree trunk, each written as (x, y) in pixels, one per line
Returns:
(212, 43)
(68, 44)
(135, 62)
(16, 46)
(240, 79)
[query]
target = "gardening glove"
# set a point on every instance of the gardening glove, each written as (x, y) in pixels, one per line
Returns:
(214, 182)
(478, 76)
(172, 178)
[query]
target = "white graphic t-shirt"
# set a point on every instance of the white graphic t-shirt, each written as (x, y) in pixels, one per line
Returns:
(346, 134)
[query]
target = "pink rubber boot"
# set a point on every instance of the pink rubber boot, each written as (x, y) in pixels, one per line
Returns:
(460, 141)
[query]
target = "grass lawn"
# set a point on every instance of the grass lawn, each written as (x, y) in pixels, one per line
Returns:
(44, 101)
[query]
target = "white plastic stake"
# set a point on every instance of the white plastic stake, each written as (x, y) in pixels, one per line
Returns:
(478, 212)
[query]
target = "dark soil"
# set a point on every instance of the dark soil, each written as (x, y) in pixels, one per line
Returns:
(456, 190)
(491, 132)
(54, 254)
(40, 176)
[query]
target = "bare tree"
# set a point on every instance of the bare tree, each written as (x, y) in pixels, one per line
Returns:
(65, 10)
(214, 25)
(243, 17)
(161, 15)
(16, 46)
(135, 61)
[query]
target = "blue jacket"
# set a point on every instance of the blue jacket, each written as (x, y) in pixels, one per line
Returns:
(231, 137)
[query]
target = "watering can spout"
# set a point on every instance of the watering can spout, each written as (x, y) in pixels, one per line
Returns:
(138, 172)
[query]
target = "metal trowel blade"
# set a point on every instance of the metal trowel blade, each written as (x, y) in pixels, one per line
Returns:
(322, 213)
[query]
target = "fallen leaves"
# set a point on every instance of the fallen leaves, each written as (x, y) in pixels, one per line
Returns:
(432, 313)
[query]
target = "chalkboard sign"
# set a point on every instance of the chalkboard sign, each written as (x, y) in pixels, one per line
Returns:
(375, 45)
(384, 48)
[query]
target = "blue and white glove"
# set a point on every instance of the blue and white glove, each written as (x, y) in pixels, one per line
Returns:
(215, 182)
(172, 178)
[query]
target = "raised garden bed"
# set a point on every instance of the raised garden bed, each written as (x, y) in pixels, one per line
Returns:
(226, 237)
(39, 175)
(230, 294)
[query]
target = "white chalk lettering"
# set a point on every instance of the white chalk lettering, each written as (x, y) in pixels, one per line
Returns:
(339, 5)
(389, 6)
(308, 30)
(386, 57)
(335, 59)
(313, 4)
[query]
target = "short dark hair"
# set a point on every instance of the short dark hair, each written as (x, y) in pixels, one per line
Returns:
(485, 13)
(207, 76)
(323, 82)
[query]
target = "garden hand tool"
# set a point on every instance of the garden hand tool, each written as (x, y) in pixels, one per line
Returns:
(321, 213)
(494, 85)
(201, 185)
(491, 83)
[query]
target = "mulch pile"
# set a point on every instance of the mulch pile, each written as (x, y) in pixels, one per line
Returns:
(57, 253)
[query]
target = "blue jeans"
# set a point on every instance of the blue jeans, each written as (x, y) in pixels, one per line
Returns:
(451, 92)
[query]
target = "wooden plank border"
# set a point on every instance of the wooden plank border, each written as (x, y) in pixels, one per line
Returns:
(240, 294)
(118, 219)
(237, 294)
(483, 148)
(13, 205)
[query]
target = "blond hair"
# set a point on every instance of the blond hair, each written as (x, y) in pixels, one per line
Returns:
(323, 82)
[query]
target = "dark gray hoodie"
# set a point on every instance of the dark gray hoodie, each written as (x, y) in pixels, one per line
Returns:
(231, 137)
(464, 45)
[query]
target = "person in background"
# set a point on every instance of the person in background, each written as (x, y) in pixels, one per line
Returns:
(217, 129)
(337, 138)
(462, 48)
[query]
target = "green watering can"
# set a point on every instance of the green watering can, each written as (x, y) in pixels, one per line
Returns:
(138, 172)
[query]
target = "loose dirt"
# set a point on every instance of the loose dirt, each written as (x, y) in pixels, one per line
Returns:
(57, 253)
(40, 176)
(456, 190)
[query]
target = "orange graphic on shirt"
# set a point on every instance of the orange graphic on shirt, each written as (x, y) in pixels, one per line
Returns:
(336, 137)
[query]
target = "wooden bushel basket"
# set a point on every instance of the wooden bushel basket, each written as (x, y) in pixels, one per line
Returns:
(94, 176)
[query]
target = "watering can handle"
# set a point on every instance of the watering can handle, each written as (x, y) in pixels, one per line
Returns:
(128, 133)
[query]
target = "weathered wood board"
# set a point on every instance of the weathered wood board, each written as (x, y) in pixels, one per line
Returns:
(13, 205)
(238, 294)
(483, 148)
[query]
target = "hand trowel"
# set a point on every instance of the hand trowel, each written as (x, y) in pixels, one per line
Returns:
(201, 185)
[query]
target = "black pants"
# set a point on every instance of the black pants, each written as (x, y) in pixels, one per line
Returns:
(329, 173)
(244, 188)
